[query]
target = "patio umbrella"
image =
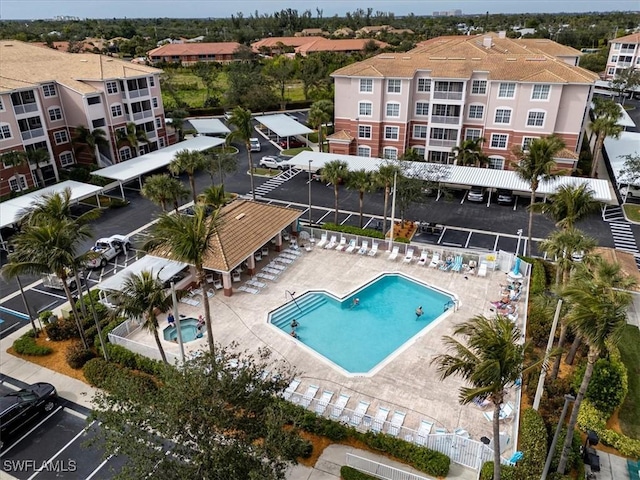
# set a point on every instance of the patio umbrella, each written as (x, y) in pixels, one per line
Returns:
(516, 266)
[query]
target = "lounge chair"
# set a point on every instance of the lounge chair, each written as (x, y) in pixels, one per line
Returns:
(323, 241)
(515, 458)
(338, 407)
(308, 396)
(251, 290)
(461, 432)
(457, 264)
(423, 258)
(323, 401)
(332, 243)
(256, 283)
(342, 245)
(284, 259)
(266, 276)
(359, 412)
(277, 266)
(363, 248)
(481, 403)
(446, 266)
(394, 253)
(435, 260)
(380, 419)
(352, 246)
(374, 249)
(265, 251)
(441, 431)
(423, 432)
(293, 386)
(396, 423)
(257, 256)
(506, 411)
(409, 256)
(482, 270)
(235, 276)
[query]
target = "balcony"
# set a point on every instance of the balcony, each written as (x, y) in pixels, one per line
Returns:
(439, 142)
(447, 95)
(25, 108)
(141, 115)
(445, 120)
(34, 133)
(624, 64)
(627, 51)
(142, 92)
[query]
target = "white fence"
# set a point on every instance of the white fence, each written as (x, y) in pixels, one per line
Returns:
(380, 470)
(118, 335)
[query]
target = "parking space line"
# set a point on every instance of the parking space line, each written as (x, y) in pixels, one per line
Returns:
(99, 467)
(345, 220)
(441, 235)
(495, 245)
(466, 245)
(324, 216)
(53, 412)
(61, 297)
(21, 315)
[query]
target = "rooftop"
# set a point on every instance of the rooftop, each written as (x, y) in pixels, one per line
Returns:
(188, 49)
(632, 38)
(343, 45)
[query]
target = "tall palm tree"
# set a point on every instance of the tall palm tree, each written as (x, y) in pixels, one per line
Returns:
(569, 205)
(221, 164)
(490, 361)
(189, 239)
(143, 296)
(605, 124)
(321, 112)
(360, 180)
(535, 166)
(57, 207)
(384, 179)
(132, 136)
(163, 189)
(598, 313)
(470, 153)
(35, 158)
(89, 140)
(241, 119)
(188, 161)
(335, 172)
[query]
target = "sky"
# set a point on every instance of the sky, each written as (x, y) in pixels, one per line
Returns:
(46, 9)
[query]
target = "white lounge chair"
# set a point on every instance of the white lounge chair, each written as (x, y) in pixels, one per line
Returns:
(352, 246)
(323, 241)
(457, 264)
(435, 260)
(235, 276)
(332, 243)
(293, 386)
(380, 418)
(256, 283)
(308, 396)
(277, 266)
(338, 407)
(359, 412)
(409, 256)
(506, 411)
(323, 401)
(257, 256)
(396, 423)
(265, 251)
(363, 248)
(374, 249)
(423, 258)
(423, 432)
(266, 276)
(342, 245)
(461, 432)
(394, 253)
(482, 269)
(251, 290)
(284, 259)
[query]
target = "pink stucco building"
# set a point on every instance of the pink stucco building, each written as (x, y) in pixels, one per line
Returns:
(624, 52)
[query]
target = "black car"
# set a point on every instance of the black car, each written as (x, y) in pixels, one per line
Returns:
(18, 408)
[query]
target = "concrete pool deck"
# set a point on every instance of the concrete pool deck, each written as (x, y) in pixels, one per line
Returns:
(408, 383)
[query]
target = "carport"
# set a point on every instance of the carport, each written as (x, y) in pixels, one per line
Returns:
(135, 168)
(209, 126)
(617, 148)
(283, 126)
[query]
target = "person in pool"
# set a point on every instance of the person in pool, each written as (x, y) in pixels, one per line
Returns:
(355, 302)
(419, 312)
(294, 323)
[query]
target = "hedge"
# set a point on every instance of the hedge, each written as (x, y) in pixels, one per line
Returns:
(348, 473)
(107, 375)
(533, 444)
(363, 232)
(506, 472)
(26, 345)
(589, 418)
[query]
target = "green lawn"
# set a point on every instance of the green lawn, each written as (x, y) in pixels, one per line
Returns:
(294, 151)
(632, 211)
(629, 413)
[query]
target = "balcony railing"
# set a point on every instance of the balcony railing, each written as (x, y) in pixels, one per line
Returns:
(143, 92)
(445, 119)
(438, 142)
(624, 64)
(142, 114)
(448, 95)
(34, 133)
(25, 108)
(627, 51)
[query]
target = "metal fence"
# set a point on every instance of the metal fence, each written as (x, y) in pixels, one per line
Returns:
(380, 470)
(118, 335)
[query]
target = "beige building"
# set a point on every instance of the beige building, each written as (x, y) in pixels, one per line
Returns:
(450, 89)
(624, 52)
(46, 94)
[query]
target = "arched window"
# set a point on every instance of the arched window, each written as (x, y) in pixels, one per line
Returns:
(390, 153)
(364, 151)
(496, 162)
(124, 153)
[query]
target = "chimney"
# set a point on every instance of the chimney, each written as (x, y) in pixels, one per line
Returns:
(486, 42)
(502, 34)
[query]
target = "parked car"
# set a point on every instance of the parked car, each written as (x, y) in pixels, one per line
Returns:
(293, 143)
(255, 144)
(630, 191)
(269, 161)
(504, 197)
(476, 194)
(18, 408)
(107, 249)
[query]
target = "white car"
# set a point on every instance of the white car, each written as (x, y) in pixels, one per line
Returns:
(107, 249)
(630, 191)
(255, 144)
(273, 162)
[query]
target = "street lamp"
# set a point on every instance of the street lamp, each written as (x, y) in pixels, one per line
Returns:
(547, 354)
(519, 239)
(310, 195)
(567, 400)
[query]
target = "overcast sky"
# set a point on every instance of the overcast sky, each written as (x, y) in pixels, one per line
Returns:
(43, 9)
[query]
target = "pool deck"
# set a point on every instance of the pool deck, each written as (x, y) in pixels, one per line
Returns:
(407, 383)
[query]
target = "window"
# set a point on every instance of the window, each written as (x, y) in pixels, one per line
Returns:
(611, 71)
(1, 106)
(503, 115)
(496, 163)
(391, 133)
(364, 151)
(507, 90)
(93, 100)
(476, 111)
(479, 87)
(424, 85)
(394, 85)
(499, 140)
(100, 122)
(158, 122)
(438, 157)
(154, 102)
(526, 141)
(393, 109)
(390, 153)
(616, 46)
(472, 133)
(364, 131)
(49, 90)
(540, 92)
(60, 137)
(419, 131)
(116, 110)
(161, 142)
(5, 131)
(66, 158)
(18, 183)
(535, 119)
(422, 109)
(366, 85)
(152, 81)
(365, 109)
(614, 59)
(420, 150)
(55, 114)
(112, 87)
(125, 153)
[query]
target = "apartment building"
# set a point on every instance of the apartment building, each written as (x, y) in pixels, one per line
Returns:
(46, 94)
(454, 88)
(624, 52)
(192, 53)
(307, 45)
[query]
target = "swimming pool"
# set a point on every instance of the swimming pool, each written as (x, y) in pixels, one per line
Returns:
(360, 339)
(188, 327)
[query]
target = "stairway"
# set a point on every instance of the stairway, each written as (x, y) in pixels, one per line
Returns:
(297, 309)
(275, 182)
(623, 237)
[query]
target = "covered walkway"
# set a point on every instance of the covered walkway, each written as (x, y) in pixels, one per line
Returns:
(209, 126)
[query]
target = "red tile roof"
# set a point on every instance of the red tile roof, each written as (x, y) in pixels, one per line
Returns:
(633, 38)
(345, 45)
(189, 49)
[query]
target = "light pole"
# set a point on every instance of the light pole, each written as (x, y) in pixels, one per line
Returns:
(310, 196)
(567, 400)
(545, 364)
(519, 240)
(393, 211)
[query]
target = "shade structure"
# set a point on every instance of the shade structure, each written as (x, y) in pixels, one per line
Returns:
(163, 268)
(283, 125)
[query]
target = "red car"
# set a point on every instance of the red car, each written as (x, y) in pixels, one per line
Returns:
(293, 143)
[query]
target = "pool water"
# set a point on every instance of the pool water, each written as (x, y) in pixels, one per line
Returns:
(358, 338)
(188, 327)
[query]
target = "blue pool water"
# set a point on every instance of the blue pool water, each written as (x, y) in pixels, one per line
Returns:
(359, 338)
(188, 327)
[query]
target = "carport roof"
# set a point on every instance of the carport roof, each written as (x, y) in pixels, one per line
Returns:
(282, 125)
(627, 144)
(163, 268)
(209, 126)
(11, 210)
(138, 166)
(454, 174)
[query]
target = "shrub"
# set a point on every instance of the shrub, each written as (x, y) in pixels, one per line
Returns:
(26, 345)
(506, 472)
(574, 460)
(63, 329)
(363, 232)
(109, 375)
(348, 473)
(533, 444)
(538, 277)
(97, 372)
(589, 418)
(77, 355)
(608, 386)
(538, 325)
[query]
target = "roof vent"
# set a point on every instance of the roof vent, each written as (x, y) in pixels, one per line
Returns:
(387, 57)
(512, 59)
(502, 34)
(406, 58)
(241, 216)
(8, 44)
(487, 42)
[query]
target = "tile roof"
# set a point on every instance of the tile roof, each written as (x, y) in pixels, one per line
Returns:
(341, 135)
(549, 47)
(461, 56)
(28, 65)
(272, 42)
(184, 49)
(632, 38)
(342, 45)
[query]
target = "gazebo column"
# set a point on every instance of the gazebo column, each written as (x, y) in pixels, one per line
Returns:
(227, 284)
(251, 262)
(279, 242)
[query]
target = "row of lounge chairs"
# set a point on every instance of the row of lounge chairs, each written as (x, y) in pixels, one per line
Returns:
(348, 247)
(271, 271)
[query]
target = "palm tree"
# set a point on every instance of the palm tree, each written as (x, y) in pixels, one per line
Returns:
(360, 180)
(36, 157)
(605, 124)
(598, 314)
(213, 196)
(221, 163)
(470, 153)
(177, 122)
(57, 207)
(89, 140)
(490, 360)
(335, 172)
(15, 159)
(189, 162)
(189, 239)
(384, 179)
(241, 119)
(163, 189)
(569, 205)
(143, 296)
(535, 166)
(321, 112)
(132, 136)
